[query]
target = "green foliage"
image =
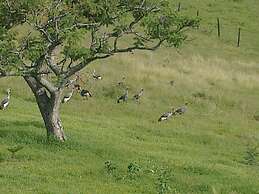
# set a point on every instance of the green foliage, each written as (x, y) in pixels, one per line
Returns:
(163, 180)
(139, 42)
(251, 155)
(15, 149)
(65, 25)
(35, 48)
(110, 166)
(133, 170)
(8, 58)
(76, 53)
(14, 12)
(168, 27)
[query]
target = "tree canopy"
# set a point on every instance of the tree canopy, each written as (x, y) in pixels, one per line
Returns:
(67, 25)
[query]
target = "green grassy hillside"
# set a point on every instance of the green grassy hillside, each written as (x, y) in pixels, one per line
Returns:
(121, 148)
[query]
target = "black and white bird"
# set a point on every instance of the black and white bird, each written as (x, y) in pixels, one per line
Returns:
(138, 95)
(97, 77)
(182, 109)
(85, 94)
(124, 97)
(6, 101)
(68, 96)
(165, 116)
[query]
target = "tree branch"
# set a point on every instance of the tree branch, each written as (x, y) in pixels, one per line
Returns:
(46, 84)
(83, 64)
(45, 33)
(130, 49)
(23, 74)
(53, 66)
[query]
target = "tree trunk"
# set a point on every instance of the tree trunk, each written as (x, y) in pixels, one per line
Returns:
(50, 113)
(49, 107)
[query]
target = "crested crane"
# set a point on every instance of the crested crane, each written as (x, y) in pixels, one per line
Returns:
(138, 95)
(72, 81)
(85, 94)
(68, 96)
(124, 97)
(96, 76)
(182, 109)
(6, 101)
(165, 116)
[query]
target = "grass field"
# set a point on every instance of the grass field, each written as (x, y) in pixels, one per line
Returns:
(121, 148)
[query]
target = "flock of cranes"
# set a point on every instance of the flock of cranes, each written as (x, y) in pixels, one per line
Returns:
(84, 93)
(178, 111)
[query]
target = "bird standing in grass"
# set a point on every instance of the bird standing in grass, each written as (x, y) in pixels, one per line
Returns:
(97, 77)
(124, 97)
(85, 94)
(6, 101)
(165, 116)
(182, 109)
(68, 96)
(138, 95)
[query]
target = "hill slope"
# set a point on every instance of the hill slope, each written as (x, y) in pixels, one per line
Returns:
(121, 148)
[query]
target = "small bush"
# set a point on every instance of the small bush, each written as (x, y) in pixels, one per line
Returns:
(133, 170)
(14, 150)
(110, 166)
(163, 181)
(251, 155)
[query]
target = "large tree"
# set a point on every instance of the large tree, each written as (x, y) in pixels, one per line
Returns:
(62, 37)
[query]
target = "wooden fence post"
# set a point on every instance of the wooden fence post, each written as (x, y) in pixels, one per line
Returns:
(198, 15)
(219, 33)
(238, 37)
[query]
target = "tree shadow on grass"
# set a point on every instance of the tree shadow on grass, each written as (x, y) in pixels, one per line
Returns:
(20, 124)
(31, 133)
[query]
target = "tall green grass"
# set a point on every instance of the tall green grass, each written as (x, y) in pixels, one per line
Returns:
(203, 151)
